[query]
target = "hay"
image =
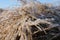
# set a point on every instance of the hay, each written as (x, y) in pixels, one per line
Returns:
(27, 22)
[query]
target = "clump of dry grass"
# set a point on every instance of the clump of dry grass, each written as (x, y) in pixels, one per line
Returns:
(24, 22)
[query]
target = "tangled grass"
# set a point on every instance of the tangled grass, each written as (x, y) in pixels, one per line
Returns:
(25, 22)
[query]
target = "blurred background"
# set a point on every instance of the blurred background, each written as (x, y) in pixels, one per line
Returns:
(12, 3)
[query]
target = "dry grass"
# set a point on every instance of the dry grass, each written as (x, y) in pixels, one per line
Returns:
(24, 22)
